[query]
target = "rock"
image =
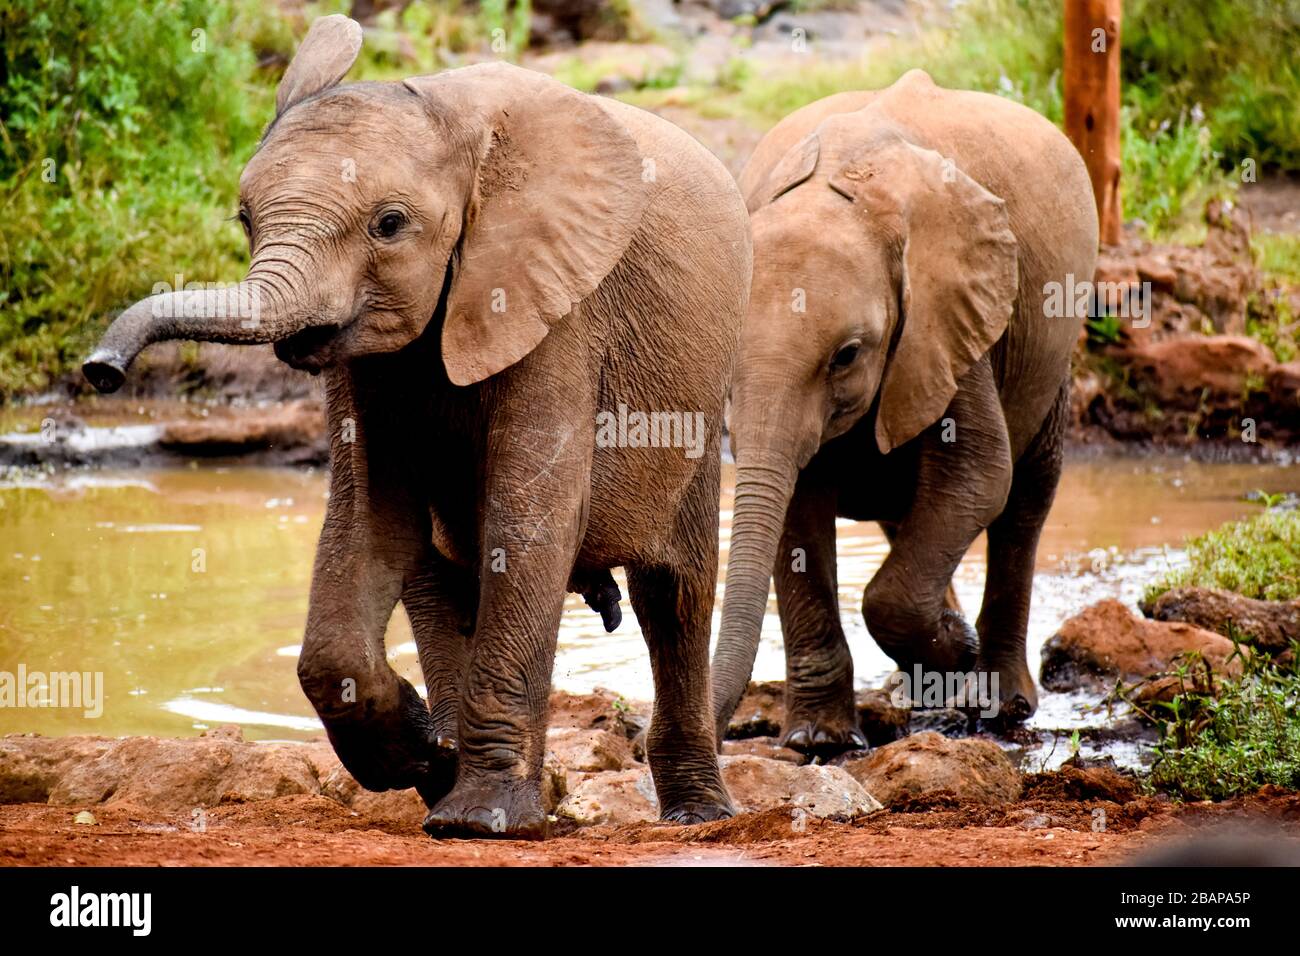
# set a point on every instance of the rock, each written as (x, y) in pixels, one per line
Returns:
(881, 720)
(943, 720)
(1284, 387)
(85, 818)
(1071, 782)
(297, 425)
(755, 783)
(1107, 642)
(1177, 371)
(821, 791)
(624, 796)
(601, 709)
(928, 763)
(1267, 625)
(589, 751)
(32, 766)
(760, 711)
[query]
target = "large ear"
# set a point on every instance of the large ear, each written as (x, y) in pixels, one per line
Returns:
(559, 191)
(959, 274)
(324, 57)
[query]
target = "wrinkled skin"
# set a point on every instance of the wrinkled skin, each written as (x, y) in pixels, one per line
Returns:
(479, 264)
(897, 365)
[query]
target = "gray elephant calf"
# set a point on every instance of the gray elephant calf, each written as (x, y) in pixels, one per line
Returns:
(483, 263)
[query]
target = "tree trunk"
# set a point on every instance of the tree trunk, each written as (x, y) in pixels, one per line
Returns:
(1091, 77)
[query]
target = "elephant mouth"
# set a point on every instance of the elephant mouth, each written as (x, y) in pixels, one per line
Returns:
(309, 350)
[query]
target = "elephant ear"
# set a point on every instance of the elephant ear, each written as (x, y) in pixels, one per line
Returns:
(558, 194)
(959, 274)
(798, 163)
(324, 57)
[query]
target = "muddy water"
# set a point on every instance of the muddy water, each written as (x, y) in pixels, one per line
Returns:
(187, 589)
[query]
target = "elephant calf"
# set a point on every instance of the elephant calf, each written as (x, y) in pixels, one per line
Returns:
(900, 363)
(482, 263)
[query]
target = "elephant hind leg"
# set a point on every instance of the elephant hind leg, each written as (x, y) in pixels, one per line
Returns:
(1012, 548)
(674, 606)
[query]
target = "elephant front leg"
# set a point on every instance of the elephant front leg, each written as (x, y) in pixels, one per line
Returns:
(962, 483)
(440, 600)
(530, 540)
(820, 716)
(377, 722)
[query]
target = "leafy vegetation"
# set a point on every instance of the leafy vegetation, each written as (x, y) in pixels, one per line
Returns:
(1258, 558)
(126, 122)
(1232, 737)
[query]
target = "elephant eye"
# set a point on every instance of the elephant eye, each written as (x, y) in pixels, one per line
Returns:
(388, 225)
(846, 354)
(246, 221)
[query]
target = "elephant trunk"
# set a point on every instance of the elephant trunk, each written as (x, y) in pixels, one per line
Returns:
(764, 483)
(241, 314)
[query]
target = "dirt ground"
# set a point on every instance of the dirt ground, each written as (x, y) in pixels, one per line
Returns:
(315, 831)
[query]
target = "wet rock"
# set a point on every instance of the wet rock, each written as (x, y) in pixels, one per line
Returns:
(1267, 625)
(926, 764)
(769, 747)
(760, 711)
(297, 426)
(942, 720)
(821, 791)
(1108, 642)
(881, 720)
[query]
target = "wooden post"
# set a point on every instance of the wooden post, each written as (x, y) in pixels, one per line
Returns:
(1091, 78)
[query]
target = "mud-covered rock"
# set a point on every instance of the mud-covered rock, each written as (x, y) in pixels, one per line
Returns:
(31, 766)
(1179, 371)
(1107, 642)
(760, 711)
(927, 764)
(623, 796)
(1268, 625)
(293, 427)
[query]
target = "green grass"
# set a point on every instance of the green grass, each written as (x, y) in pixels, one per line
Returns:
(1233, 741)
(1278, 255)
(1258, 558)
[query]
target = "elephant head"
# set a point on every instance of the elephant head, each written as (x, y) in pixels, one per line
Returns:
(882, 273)
(492, 196)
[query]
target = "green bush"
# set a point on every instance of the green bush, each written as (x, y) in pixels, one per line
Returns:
(1258, 558)
(125, 127)
(1234, 740)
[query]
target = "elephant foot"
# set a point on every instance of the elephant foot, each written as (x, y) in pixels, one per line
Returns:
(1014, 699)
(486, 809)
(399, 752)
(689, 812)
(955, 646)
(823, 736)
